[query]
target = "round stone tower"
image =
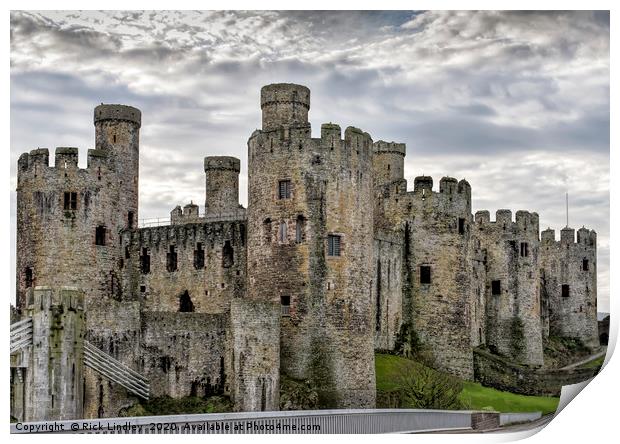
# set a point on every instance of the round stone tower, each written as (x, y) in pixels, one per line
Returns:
(68, 234)
(222, 185)
(310, 224)
(388, 162)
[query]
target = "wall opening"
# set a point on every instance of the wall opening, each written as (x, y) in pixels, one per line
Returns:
(585, 266)
(100, 235)
(525, 249)
(70, 200)
(145, 261)
(127, 253)
(185, 303)
(300, 229)
(333, 245)
(199, 257)
(425, 274)
(171, 259)
(267, 230)
(461, 225)
(130, 219)
(565, 290)
(284, 189)
(378, 301)
(242, 234)
(496, 287)
(28, 277)
(228, 254)
(285, 303)
(282, 232)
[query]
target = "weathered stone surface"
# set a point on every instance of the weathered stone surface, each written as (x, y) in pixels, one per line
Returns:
(226, 301)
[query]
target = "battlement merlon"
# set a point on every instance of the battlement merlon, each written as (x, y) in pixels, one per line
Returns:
(117, 112)
(222, 163)
(524, 220)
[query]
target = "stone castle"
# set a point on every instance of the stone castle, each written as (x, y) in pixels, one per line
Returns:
(333, 259)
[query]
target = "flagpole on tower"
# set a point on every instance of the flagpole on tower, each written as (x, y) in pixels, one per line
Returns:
(567, 209)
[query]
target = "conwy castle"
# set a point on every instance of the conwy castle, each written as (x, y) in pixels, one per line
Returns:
(334, 257)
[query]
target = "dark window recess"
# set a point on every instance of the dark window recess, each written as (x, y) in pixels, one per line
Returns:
(199, 257)
(284, 189)
(145, 261)
(121, 263)
(242, 234)
(127, 254)
(496, 287)
(70, 201)
(267, 229)
(228, 254)
(285, 302)
(585, 266)
(28, 277)
(565, 290)
(142, 288)
(333, 245)
(525, 249)
(171, 259)
(300, 229)
(130, 219)
(425, 274)
(100, 235)
(185, 303)
(114, 138)
(461, 225)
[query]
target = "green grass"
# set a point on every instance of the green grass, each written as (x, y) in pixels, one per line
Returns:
(474, 395)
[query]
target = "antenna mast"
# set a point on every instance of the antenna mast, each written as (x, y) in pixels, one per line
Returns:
(567, 209)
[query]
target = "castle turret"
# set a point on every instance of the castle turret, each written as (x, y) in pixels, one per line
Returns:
(222, 185)
(284, 106)
(388, 162)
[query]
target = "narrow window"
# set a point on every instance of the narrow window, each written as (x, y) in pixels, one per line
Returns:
(585, 266)
(100, 235)
(425, 274)
(333, 245)
(284, 189)
(28, 276)
(185, 303)
(70, 200)
(171, 259)
(130, 219)
(285, 302)
(127, 254)
(461, 225)
(388, 167)
(282, 232)
(267, 230)
(299, 229)
(525, 249)
(145, 261)
(496, 287)
(227, 255)
(565, 290)
(199, 257)
(114, 138)
(142, 288)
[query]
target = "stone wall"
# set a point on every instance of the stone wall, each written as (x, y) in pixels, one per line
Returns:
(205, 286)
(185, 354)
(502, 374)
(571, 312)
(254, 349)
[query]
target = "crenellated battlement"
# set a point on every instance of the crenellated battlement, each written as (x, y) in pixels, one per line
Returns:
(524, 222)
(585, 237)
(36, 163)
(330, 133)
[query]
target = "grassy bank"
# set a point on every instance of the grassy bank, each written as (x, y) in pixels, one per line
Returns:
(474, 395)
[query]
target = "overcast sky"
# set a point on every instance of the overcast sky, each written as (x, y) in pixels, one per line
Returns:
(516, 103)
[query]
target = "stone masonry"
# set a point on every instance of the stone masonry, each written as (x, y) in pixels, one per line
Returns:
(333, 259)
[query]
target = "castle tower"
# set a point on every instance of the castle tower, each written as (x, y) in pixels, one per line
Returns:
(68, 233)
(222, 185)
(569, 284)
(388, 162)
(513, 310)
(309, 237)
